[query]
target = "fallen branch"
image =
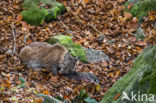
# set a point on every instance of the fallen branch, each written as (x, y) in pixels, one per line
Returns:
(14, 39)
(64, 25)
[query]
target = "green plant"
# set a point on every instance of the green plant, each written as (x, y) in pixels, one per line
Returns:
(83, 97)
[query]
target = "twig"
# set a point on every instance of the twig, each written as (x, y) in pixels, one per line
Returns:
(76, 17)
(13, 34)
(96, 30)
(64, 25)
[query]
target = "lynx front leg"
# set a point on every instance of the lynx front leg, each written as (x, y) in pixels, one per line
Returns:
(53, 70)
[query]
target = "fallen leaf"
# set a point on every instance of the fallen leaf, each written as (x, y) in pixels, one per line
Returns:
(86, 1)
(127, 15)
(135, 20)
(6, 83)
(45, 92)
(110, 50)
(24, 24)
(141, 43)
(117, 96)
(117, 73)
(130, 5)
(19, 67)
(110, 75)
(38, 100)
(98, 87)
(19, 18)
(121, 1)
(16, 6)
(54, 79)
(29, 41)
(81, 41)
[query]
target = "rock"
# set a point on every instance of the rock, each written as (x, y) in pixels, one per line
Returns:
(100, 39)
(140, 34)
(95, 55)
(138, 85)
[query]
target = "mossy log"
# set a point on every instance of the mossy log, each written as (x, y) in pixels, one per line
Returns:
(140, 80)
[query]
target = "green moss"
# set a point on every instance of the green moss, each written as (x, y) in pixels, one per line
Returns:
(148, 81)
(75, 49)
(56, 10)
(34, 16)
(153, 83)
(30, 3)
(149, 77)
(52, 14)
(141, 8)
(141, 77)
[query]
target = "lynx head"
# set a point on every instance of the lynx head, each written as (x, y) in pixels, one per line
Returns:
(68, 63)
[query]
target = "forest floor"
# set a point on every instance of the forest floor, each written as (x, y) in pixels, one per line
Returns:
(87, 21)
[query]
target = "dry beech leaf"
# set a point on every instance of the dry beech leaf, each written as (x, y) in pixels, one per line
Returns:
(45, 92)
(29, 41)
(141, 43)
(81, 41)
(2, 57)
(6, 83)
(117, 96)
(86, 44)
(19, 67)
(86, 1)
(127, 15)
(138, 48)
(133, 39)
(24, 24)
(110, 50)
(153, 17)
(123, 20)
(38, 100)
(54, 79)
(117, 73)
(98, 87)
(105, 63)
(66, 96)
(121, 8)
(129, 6)
(121, 1)
(110, 75)
(135, 20)
(19, 18)
(16, 6)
